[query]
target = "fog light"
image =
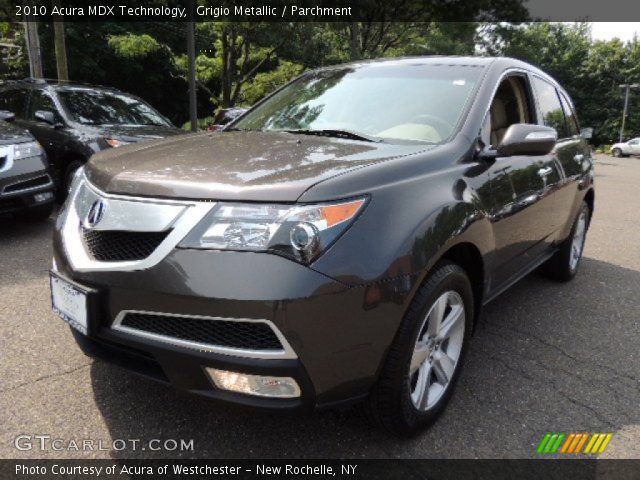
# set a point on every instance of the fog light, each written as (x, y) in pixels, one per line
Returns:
(259, 385)
(41, 197)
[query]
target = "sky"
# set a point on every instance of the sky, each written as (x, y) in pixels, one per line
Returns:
(608, 30)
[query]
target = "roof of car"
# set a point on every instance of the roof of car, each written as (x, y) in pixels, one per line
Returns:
(426, 60)
(500, 63)
(52, 83)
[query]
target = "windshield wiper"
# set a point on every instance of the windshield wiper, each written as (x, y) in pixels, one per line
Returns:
(329, 132)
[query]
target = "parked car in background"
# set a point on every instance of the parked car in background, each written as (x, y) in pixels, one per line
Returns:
(631, 147)
(226, 116)
(73, 121)
(333, 245)
(26, 186)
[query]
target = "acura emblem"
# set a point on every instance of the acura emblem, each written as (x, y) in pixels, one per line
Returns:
(96, 213)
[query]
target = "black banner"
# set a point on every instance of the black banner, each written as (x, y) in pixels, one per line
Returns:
(319, 10)
(322, 469)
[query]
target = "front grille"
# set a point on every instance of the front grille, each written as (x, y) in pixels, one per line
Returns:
(120, 246)
(27, 184)
(216, 332)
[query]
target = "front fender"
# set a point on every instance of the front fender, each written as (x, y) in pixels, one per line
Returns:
(405, 229)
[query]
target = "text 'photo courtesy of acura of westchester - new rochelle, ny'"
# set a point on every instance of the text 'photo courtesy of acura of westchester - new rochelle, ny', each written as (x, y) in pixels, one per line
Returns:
(335, 243)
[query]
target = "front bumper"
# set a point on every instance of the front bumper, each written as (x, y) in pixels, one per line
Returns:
(339, 334)
(22, 186)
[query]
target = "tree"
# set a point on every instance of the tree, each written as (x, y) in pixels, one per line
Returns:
(590, 71)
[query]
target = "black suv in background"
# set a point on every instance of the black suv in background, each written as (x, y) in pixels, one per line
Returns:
(73, 121)
(25, 183)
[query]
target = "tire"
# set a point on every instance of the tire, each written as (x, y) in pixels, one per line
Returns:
(395, 402)
(616, 152)
(564, 265)
(39, 213)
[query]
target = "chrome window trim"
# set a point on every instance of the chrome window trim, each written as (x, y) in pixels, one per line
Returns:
(286, 352)
(185, 220)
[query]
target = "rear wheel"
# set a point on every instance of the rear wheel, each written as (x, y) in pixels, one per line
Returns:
(564, 264)
(424, 360)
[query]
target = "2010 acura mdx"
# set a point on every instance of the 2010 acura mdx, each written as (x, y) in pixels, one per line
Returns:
(336, 243)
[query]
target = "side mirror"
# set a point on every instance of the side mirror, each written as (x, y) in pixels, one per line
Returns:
(7, 116)
(46, 116)
(586, 133)
(527, 139)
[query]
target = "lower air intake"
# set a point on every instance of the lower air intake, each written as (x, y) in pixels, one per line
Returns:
(210, 331)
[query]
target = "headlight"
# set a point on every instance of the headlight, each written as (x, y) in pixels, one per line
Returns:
(25, 150)
(300, 232)
(114, 142)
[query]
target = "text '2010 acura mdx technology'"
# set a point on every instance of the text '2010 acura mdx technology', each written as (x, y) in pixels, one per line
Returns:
(334, 244)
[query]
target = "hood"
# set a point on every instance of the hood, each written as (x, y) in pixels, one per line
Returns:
(137, 133)
(12, 134)
(254, 166)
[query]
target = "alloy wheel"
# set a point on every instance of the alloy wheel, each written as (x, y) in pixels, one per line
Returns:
(577, 244)
(437, 350)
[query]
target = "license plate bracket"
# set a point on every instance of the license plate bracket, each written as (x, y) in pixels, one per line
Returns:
(76, 304)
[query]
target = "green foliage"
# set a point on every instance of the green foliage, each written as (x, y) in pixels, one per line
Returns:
(590, 71)
(266, 82)
(239, 63)
(202, 123)
(133, 46)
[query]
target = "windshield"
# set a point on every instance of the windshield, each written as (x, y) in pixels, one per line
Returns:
(99, 107)
(403, 102)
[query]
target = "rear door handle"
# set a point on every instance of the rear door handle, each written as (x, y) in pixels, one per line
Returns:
(543, 172)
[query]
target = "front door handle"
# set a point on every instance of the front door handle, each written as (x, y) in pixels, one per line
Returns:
(543, 172)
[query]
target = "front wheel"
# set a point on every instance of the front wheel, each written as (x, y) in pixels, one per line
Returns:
(424, 361)
(616, 152)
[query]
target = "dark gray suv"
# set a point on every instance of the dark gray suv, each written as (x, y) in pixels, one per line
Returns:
(333, 245)
(72, 121)
(26, 187)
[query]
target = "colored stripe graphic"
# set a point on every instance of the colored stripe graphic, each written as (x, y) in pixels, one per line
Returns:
(567, 443)
(573, 443)
(594, 437)
(582, 442)
(606, 441)
(543, 443)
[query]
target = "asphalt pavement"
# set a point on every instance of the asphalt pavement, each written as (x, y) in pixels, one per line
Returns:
(545, 357)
